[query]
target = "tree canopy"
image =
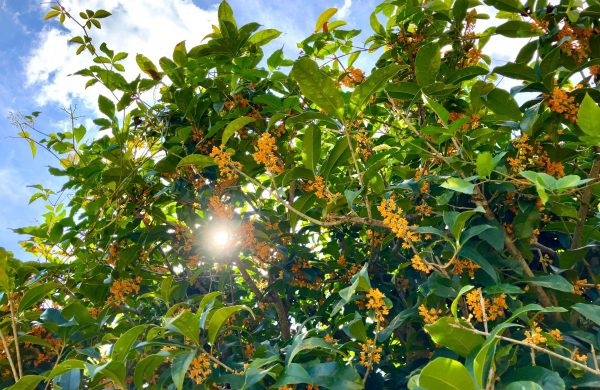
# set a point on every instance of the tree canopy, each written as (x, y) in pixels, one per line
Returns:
(251, 221)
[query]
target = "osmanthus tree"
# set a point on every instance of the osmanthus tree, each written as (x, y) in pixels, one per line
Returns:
(306, 226)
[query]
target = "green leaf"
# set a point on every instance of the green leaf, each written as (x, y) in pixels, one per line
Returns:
(459, 10)
(311, 147)
(458, 340)
(166, 289)
(555, 282)
(485, 164)
(523, 385)
(234, 126)
(396, 322)
(145, 369)
(550, 62)
(187, 324)
(311, 343)
(180, 367)
(516, 29)
(340, 154)
(263, 37)
(503, 104)
(200, 160)
(588, 116)
(447, 374)
(79, 133)
(4, 279)
(28, 382)
(125, 342)
(324, 18)
(35, 340)
(227, 23)
(591, 312)
(568, 258)
(454, 307)
(302, 204)
(115, 371)
(318, 87)
(438, 108)
(219, 318)
(427, 64)
(517, 71)
(361, 95)
(459, 185)
(464, 74)
(51, 14)
(546, 379)
(66, 366)
(292, 374)
(106, 106)
(101, 14)
(33, 295)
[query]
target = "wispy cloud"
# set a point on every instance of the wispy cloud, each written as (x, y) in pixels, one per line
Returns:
(137, 26)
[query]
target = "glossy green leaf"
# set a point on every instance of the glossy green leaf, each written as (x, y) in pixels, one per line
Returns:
(427, 64)
(444, 373)
(234, 126)
(318, 87)
(361, 94)
(458, 340)
(218, 319)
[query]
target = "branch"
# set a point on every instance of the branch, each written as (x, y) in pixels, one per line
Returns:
(585, 202)
(529, 345)
(480, 200)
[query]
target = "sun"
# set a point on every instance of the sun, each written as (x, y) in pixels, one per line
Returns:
(221, 238)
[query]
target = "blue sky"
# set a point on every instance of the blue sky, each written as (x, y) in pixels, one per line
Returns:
(35, 61)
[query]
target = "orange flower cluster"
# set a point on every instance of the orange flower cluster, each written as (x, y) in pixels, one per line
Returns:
(424, 210)
(354, 77)
(560, 102)
(493, 309)
(220, 209)
(121, 289)
(539, 25)
(579, 45)
(579, 287)
(329, 339)
(376, 303)
(364, 146)
(393, 220)
(266, 154)
(342, 261)
(41, 333)
(370, 353)
(556, 335)
(528, 155)
(462, 265)
(430, 316)
(321, 189)
(375, 238)
(249, 350)
(473, 57)
(183, 232)
(237, 100)
(226, 166)
(534, 336)
(470, 22)
(279, 130)
(410, 41)
(199, 368)
(420, 265)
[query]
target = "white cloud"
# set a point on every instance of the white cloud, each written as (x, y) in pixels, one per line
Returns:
(136, 27)
(345, 10)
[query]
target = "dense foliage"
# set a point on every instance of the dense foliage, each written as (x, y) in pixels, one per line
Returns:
(304, 224)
